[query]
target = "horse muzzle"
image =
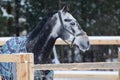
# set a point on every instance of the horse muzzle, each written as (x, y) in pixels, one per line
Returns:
(82, 43)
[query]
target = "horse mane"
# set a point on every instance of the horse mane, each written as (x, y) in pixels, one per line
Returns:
(39, 26)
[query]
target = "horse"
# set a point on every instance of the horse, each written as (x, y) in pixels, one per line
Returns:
(59, 24)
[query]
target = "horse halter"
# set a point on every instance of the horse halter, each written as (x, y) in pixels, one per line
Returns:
(71, 44)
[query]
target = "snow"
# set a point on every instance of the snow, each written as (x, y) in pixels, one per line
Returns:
(22, 2)
(104, 37)
(6, 0)
(90, 38)
(5, 14)
(21, 20)
(89, 73)
(5, 38)
(79, 79)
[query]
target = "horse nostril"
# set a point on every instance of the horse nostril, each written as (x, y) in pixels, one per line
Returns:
(72, 23)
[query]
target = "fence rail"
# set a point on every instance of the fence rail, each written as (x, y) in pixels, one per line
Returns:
(79, 66)
(27, 61)
(26, 67)
(94, 40)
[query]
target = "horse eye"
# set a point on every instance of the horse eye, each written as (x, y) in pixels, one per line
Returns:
(67, 20)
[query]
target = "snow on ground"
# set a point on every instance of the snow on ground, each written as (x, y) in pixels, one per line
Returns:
(103, 75)
(104, 37)
(79, 79)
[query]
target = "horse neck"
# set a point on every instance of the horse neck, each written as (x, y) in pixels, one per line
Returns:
(43, 49)
(42, 44)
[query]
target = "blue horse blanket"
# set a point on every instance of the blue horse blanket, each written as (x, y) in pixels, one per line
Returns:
(13, 46)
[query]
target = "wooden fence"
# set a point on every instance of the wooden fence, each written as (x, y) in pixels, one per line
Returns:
(26, 73)
(24, 62)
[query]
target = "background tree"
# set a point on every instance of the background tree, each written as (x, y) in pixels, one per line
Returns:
(96, 17)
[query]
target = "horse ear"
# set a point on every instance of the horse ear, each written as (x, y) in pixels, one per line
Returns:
(65, 8)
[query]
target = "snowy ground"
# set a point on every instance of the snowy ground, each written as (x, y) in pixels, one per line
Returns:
(91, 75)
(80, 79)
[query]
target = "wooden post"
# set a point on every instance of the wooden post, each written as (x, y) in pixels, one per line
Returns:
(0, 78)
(25, 67)
(118, 78)
(25, 64)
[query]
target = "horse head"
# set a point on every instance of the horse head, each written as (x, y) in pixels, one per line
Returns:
(60, 24)
(69, 30)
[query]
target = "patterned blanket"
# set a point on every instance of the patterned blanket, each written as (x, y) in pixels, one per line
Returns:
(7, 70)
